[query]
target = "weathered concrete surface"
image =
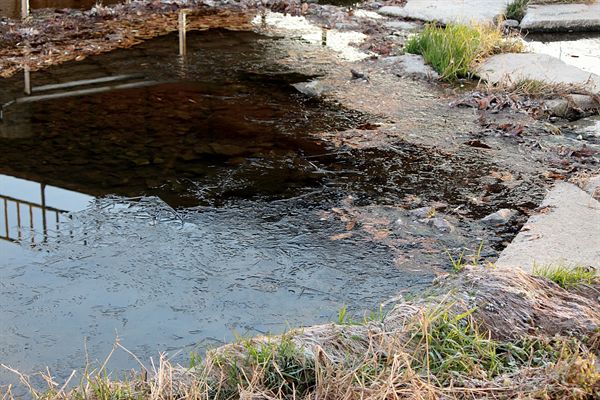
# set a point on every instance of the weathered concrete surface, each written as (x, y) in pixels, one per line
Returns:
(566, 232)
(446, 11)
(513, 67)
(593, 187)
(562, 17)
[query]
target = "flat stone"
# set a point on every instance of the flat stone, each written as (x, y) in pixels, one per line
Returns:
(562, 17)
(572, 105)
(414, 66)
(403, 25)
(500, 217)
(311, 89)
(567, 233)
(448, 11)
(510, 23)
(513, 67)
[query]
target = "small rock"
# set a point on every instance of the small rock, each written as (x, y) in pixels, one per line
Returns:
(414, 66)
(510, 23)
(572, 105)
(359, 75)
(311, 89)
(440, 223)
(423, 212)
(500, 217)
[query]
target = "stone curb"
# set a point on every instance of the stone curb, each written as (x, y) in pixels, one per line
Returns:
(566, 232)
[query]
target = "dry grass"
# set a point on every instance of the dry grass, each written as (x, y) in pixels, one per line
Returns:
(536, 89)
(480, 334)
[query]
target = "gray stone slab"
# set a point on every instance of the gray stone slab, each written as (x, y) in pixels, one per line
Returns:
(403, 25)
(447, 11)
(414, 66)
(513, 67)
(562, 17)
(567, 233)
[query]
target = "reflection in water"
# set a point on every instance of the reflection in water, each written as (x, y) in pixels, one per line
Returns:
(28, 214)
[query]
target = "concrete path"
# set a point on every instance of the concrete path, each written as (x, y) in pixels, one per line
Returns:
(515, 67)
(447, 11)
(566, 232)
(562, 17)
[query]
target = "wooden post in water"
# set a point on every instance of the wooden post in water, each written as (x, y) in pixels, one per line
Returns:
(24, 9)
(182, 33)
(27, 79)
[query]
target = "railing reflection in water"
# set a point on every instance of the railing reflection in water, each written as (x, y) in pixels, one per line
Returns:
(20, 220)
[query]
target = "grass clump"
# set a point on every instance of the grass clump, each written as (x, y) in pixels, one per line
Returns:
(454, 50)
(567, 278)
(453, 349)
(516, 9)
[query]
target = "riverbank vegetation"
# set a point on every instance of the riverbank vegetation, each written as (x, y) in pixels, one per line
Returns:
(455, 49)
(479, 333)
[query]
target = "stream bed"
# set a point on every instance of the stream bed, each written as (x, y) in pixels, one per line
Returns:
(192, 202)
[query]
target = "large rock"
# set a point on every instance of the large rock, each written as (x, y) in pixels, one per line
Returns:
(566, 232)
(513, 67)
(562, 17)
(447, 11)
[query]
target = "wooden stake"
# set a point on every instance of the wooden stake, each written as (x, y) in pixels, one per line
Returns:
(24, 9)
(27, 79)
(182, 33)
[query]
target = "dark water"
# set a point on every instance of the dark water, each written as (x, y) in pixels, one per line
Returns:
(12, 8)
(195, 203)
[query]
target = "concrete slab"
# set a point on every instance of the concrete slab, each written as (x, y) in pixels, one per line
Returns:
(513, 67)
(447, 11)
(567, 233)
(562, 18)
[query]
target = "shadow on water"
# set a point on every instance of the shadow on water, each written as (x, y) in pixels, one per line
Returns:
(223, 209)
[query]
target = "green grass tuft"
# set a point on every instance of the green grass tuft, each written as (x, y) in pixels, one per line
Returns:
(454, 50)
(452, 347)
(516, 9)
(567, 278)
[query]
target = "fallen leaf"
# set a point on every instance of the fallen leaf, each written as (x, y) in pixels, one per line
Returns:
(341, 236)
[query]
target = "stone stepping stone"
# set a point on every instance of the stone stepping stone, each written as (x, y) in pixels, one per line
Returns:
(562, 18)
(513, 67)
(566, 233)
(447, 11)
